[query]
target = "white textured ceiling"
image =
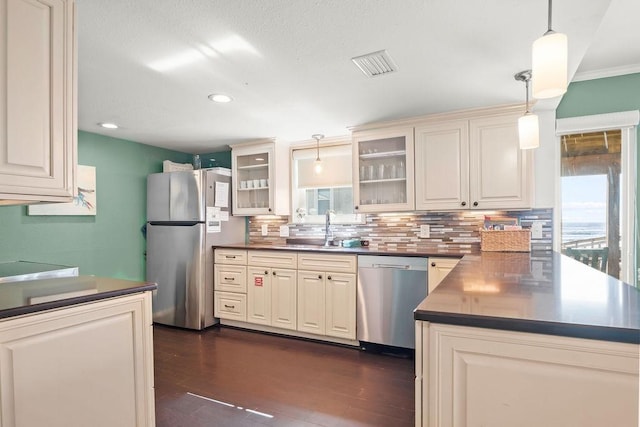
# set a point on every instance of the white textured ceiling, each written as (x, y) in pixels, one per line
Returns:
(287, 63)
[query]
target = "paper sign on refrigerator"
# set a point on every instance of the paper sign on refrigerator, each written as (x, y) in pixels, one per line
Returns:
(213, 220)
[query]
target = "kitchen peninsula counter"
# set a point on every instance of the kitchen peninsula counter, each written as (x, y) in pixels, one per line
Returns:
(33, 296)
(528, 339)
(76, 351)
(544, 293)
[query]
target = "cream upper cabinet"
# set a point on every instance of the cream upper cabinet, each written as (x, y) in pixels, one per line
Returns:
(383, 170)
(38, 126)
(260, 179)
(442, 165)
(500, 173)
(472, 164)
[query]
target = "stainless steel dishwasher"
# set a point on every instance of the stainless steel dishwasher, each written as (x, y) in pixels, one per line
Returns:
(389, 289)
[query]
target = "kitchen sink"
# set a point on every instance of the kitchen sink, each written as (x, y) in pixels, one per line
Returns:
(300, 246)
(310, 243)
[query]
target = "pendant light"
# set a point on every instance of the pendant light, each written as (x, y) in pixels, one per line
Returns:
(317, 165)
(528, 129)
(549, 63)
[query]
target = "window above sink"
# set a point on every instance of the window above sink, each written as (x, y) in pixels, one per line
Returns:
(331, 189)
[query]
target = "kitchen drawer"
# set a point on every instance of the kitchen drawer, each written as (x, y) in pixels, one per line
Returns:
(230, 256)
(273, 259)
(230, 278)
(327, 262)
(231, 306)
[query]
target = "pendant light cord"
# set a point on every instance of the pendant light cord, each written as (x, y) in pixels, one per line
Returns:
(550, 12)
(526, 85)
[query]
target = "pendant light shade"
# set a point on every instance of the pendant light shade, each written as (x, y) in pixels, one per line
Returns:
(317, 165)
(528, 127)
(549, 63)
(528, 131)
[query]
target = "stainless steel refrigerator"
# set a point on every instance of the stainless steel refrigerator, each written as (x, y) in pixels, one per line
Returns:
(187, 213)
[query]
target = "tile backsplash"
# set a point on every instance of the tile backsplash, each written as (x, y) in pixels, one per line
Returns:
(456, 232)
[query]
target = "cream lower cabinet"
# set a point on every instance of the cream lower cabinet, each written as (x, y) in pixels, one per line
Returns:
(469, 376)
(86, 365)
(38, 141)
(271, 297)
(327, 295)
(272, 288)
(438, 269)
(230, 284)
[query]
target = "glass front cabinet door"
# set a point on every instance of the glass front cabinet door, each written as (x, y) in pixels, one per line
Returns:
(383, 174)
(252, 169)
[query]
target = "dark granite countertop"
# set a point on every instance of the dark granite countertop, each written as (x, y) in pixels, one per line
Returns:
(32, 296)
(539, 293)
(360, 250)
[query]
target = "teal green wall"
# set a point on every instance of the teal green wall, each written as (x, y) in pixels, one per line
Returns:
(109, 244)
(607, 95)
(216, 159)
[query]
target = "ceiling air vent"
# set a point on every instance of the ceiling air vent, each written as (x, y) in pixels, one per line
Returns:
(375, 63)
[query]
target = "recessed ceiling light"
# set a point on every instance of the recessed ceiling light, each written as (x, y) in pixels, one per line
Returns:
(108, 125)
(219, 97)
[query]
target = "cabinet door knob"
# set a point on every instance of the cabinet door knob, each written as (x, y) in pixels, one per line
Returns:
(475, 203)
(328, 277)
(266, 272)
(433, 264)
(355, 207)
(269, 209)
(464, 203)
(319, 276)
(274, 273)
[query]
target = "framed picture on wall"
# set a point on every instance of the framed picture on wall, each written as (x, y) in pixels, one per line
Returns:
(83, 204)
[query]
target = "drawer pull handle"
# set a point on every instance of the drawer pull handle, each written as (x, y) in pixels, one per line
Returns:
(229, 306)
(230, 256)
(229, 278)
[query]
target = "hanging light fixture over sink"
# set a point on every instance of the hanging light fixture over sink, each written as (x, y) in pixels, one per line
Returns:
(317, 165)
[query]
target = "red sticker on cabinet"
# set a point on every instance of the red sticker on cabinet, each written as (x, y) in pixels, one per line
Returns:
(257, 281)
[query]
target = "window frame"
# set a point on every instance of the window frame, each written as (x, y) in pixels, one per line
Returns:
(315, 220)
(627, 122)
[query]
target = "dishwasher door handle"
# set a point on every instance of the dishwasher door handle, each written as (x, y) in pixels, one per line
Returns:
(400, 267)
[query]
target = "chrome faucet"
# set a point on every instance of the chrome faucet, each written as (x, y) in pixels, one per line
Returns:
(328, 236)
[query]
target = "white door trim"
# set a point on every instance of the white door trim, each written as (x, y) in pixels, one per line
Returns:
(627, 121)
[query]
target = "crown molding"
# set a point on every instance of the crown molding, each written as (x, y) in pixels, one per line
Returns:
(606, 72)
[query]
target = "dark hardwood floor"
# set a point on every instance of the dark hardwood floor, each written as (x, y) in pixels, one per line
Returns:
(217, 377)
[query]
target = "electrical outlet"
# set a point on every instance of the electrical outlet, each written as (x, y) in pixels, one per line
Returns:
(536, 230)
(425, 231)
(265, 230)
(284, 231)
